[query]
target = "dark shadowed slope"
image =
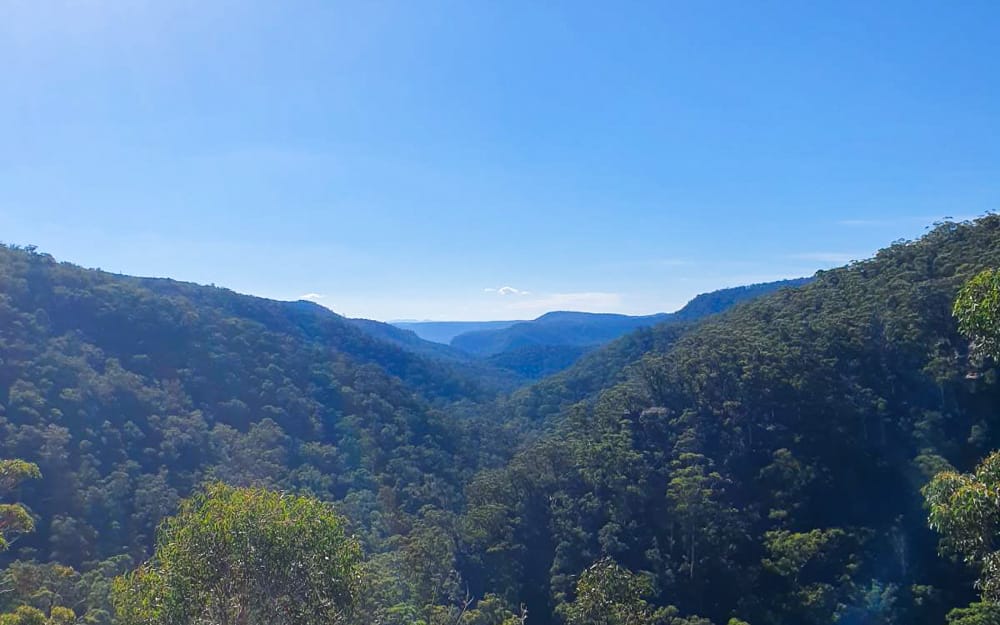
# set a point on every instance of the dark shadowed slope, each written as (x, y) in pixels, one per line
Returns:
(410, 340)
(490, 375)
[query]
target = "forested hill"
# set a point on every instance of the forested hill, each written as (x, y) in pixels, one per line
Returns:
(531, 350)
(766, 464)
(759, 466)
(586, 377)
(128, 392)
(410, 340)
(580, 329)
(554, 328)
(715, 302)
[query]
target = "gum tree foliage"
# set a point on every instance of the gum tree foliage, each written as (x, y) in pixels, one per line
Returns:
(978, 312)
(58, 592)
(244, 556)
(975, 614)
(607, 594)
(27, 615)
(14, 518)
(965, 509)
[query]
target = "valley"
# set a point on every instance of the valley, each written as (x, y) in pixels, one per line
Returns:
(756, 457)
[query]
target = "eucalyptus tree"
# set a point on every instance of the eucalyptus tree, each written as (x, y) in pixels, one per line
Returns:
(965, 509)
(245, 556)
(14, 518)
(977, 309)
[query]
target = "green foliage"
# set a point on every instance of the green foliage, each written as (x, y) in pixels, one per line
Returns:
(128, 393)
(532, 362)
(975, 614)
(244, 555)
(965, 509)
(791, 552)
(24, 615)
(493, 610)
(762, 465)
(697, 503)
(14, 518)
(977, 309)
(601, 368)
(27, 615)
(491, 374)
(607, 594)
(785, 441)
(13, 472)
(50, 585)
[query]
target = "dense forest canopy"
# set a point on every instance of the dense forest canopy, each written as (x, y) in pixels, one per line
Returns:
(763, 465)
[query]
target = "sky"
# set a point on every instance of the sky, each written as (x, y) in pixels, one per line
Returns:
(491, 160)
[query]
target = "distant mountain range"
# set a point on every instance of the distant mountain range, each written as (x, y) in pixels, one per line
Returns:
(530, 350)
(576, 329)
(409, 340)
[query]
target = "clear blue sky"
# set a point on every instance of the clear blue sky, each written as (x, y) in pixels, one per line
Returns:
(410, 159)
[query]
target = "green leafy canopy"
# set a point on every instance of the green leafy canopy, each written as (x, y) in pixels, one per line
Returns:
(235, 556)
(978, 311)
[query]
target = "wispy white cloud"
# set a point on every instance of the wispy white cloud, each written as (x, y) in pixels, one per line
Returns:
(506, 290)
(312, 297)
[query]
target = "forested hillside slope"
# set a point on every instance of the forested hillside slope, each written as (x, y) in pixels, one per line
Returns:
(760, 466)
(767, 463)
(580, 329)
(409, 340)
(129, 392)
(722, 300)
(608, 365)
